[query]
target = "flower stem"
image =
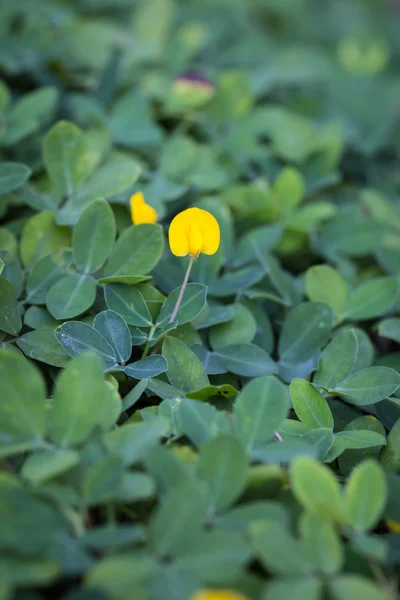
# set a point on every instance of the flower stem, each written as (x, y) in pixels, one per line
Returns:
(184, 284)
(149, 338)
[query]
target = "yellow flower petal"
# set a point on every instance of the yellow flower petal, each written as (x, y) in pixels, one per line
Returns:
(218, 595)
(141, 212)
(192, 231)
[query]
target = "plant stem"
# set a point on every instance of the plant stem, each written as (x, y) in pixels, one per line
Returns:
(147, 344)
(184, 284)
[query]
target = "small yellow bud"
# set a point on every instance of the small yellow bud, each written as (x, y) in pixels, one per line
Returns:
(393, 526)
(218, 595)
(141, 212)
(193, 231)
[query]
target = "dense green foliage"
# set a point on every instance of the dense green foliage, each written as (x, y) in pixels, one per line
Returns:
(253, 443)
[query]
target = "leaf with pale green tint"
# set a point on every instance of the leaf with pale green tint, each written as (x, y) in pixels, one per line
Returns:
(247, 360)
(355, 440)
(233, 283)
(317, 489)
(223, 465)
(82, 401)
(13, 175)
(43, 346)
(170, 529)
(321, 440)
(71, 296)
(289, 188)
(93, 236)
(76, 337)
(338, 359)
(65, 157)
(270, 541)
(324, 284)
(241, 329)
(10, 318)
(128, 302)
(202, 421)
(23, 408)
(133, 441)
(259, 410)
(282, 281)
(137, 251)
(48, 465)
(390, 456)
(322, 544)
(113, 177)
(295, 589)
(355, 587)
(125, 279)
(310, 407)
(193, 302)
(368, 386)
(255, 242)
(371, 299)
(185, 370)
(390, 328)
(304, 331)
(41, 236)
(151, 366)
(115, 330)
(365, 495)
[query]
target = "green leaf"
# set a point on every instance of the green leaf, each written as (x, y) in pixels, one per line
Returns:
(133, 441)
(201, 422)
(271, 541)
(355, 587)
(283, 283)
(216, 557)
(368, 386)
(259, 410)
(103, 480)
(10, 319)
(49, 464)
(71, 296)
(185, 370)
(324, 284)
(41, 236)
(225, 391)
(23, 408)
(178, 519)
(367, 425)
(355, 439)
(114, 177)
(223, 466)
(390, 457)
(365, 495)
(128, 302)
(42, 345)
(289, 188)
(65, 157)
(93, 236)
(321, 440)
(43, 276)
(115, 330)
(338, 359)
(305, 330)
(13, 175)
(246, 360)
(125, 279)
(390, 328)
(82, 401)
(193, 302)
(295, 589)
(151, 366)
(76, 337)
(371, 299)
(29, 113)
(137, 251)
(241, 329)
(317, 489)
(233, 283)
(116, 576)
(322, 544)
(310, 407)
(255, 242)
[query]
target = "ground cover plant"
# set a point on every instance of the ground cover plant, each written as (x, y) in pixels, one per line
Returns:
(208, 410)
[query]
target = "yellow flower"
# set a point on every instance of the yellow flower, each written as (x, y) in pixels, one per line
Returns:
(193, 231)
(218, 595)
(141, 212)
(393, 526)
